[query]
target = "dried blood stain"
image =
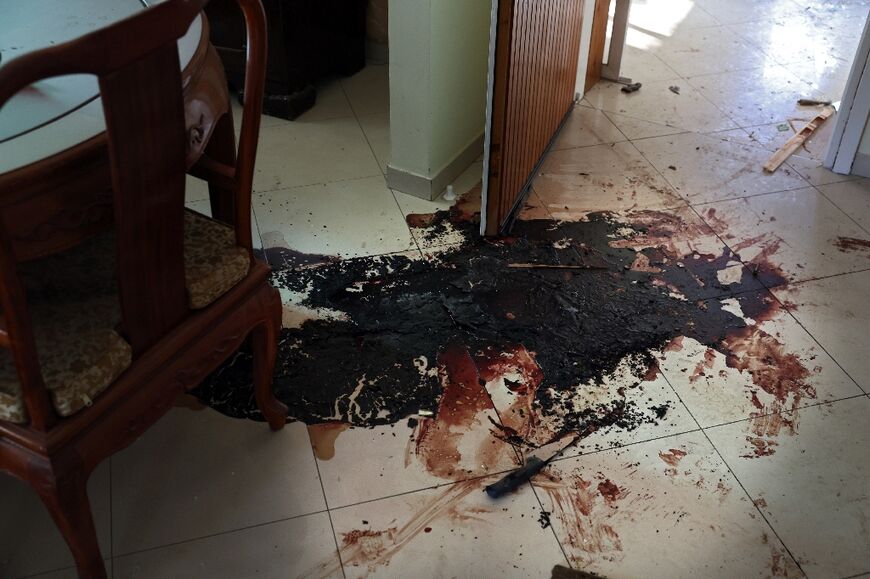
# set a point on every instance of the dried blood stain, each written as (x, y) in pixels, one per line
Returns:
(403, 335)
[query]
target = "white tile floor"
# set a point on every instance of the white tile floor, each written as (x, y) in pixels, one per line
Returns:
(202, 495)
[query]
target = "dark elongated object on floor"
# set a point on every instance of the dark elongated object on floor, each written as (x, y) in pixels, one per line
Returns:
(560, 572)
(515, 478)
(813, 102)
(631, 87)
(512, 480)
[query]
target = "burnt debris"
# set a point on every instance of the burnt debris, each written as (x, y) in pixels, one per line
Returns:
(375, 360)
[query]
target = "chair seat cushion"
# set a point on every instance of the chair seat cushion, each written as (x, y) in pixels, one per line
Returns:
(73, 303)
(213, 263)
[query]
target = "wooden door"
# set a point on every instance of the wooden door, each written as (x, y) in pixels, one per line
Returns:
(534, 66)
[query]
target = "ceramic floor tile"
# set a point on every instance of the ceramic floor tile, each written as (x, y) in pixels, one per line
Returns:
(195, 190)
(69, 573)
(369, 90)
(697, 51)
(304, 153)
(834, 310)
(772, 136)
(362, 464)
(636, 128)
(655, 103)
(790, 236)
(330, 103)
(705, 168)
(29, 540)
(797, 39)
(197, 473)
(377, 130)
(814, 488)
(586, 127)
(828, 77)
(346, 219)
(452, 531)
(846, 17)
(664, 508)
(743, 11)
(299, 547)
(757, 96)
(534, 208)
(768, 365)
(813, 171)
(853, 197)
(643, 66)
(573, 182)
(663, 17)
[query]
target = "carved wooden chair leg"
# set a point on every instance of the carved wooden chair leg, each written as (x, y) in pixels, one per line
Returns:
(222, 148)
(66, 499)
(265, 347)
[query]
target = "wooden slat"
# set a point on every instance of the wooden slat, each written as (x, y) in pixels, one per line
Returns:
(794, 143)
(537, 47)
(597, 42)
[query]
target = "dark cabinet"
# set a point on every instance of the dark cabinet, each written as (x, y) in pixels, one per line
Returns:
(308, 40)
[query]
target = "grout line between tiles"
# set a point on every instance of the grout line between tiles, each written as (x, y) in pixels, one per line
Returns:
(328, 513)
(505, 471)
(405, 221)
(754, 195)
(427, 488)
(770, 288)
(728, 466)
(790, 411)
(824, 349)
(627, 444)
(279, 189)
(552, 527)
(788, 283)
(218, 534)
(832, 202)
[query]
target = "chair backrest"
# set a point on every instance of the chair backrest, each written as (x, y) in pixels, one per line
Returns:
(136, 62)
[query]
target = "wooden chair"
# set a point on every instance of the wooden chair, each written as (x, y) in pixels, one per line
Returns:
(97, 341)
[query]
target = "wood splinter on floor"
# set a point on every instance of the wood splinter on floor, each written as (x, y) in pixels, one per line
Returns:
(794, 143)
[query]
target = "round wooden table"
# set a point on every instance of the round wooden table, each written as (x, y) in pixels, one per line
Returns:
(53, 157)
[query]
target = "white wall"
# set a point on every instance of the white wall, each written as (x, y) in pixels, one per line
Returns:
(438, 68)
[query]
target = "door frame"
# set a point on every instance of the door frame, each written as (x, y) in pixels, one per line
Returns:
(842, 152)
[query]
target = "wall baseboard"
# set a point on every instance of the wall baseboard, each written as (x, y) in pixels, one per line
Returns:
(430, 188)
(861, 165)
(377, 52)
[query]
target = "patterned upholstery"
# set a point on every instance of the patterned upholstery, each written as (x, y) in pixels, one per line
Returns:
(74, 307)
(73, 304)
(213, 262)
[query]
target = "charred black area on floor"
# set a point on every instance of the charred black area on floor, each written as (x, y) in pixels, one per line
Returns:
(377, 365)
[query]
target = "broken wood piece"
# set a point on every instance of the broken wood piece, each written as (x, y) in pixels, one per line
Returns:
(553, 266)
(794, 143)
